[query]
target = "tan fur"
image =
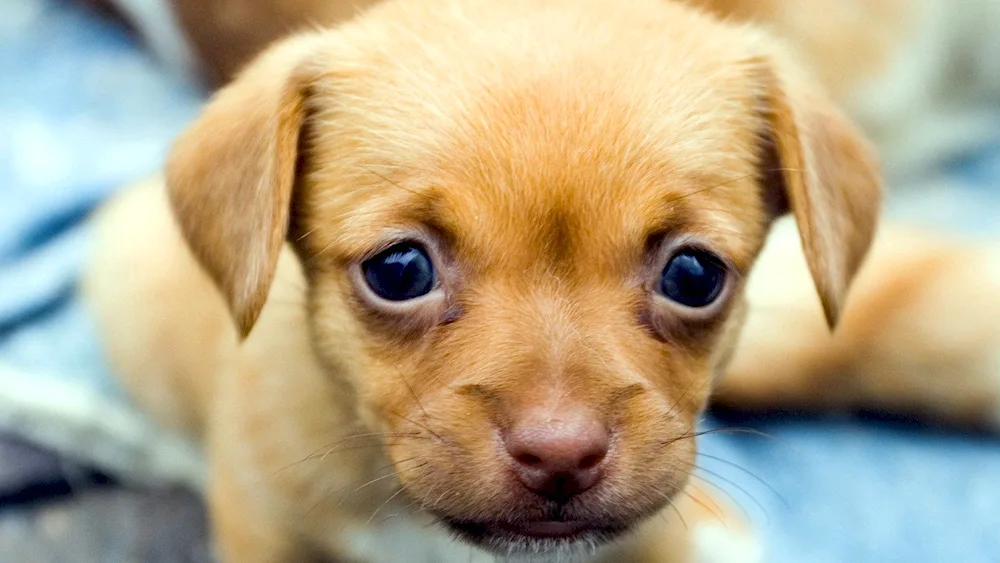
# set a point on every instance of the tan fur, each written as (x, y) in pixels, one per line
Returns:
(921, 77)
(549, 155)
(921, 333)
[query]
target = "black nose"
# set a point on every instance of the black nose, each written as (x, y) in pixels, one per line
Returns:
(558, 455)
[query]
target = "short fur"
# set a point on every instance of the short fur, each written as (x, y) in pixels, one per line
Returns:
(549, 154)
(919, 76)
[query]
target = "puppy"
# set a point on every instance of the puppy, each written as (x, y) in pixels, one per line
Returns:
(452, 281)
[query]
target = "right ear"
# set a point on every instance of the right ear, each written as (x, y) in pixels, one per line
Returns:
(231, 175)
(824, 172)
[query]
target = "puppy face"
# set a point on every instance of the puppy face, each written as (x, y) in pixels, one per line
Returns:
(525, 229)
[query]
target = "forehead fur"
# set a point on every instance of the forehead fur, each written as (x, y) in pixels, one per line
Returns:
(563, 117)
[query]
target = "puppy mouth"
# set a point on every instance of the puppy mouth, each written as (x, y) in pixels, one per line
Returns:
(538, 537)
(546, 530)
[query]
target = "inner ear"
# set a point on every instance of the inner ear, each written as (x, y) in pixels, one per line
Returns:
(773, 189)
(296, 230)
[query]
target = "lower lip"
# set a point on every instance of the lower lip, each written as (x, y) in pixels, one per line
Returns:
(546, 530)
(535, 537)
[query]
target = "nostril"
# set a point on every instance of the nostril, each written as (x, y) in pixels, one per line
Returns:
(528, 459)
(591, 461)
(554, 452)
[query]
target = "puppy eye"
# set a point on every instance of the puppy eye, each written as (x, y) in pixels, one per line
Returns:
(693, 278)
(401, 272)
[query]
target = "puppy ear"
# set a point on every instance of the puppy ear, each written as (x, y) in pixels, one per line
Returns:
(231, 175)
(819, 167)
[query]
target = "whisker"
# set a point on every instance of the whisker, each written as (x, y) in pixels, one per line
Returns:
(704, 383)
(335, 443)
(724, 479)
(747, 472)
(724, 430)
(729, 495)
(383, 477)
(387, 501)
(402, 509)
(730, 181)
(709, 188)
(715, 510)
(366, 446)
(321, 252)
(410, 420)
(416, 399)
(391, 182)
(343, 498)
(305, 235)
(677, 511)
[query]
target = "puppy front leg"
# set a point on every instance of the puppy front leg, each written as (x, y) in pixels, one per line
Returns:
(242, 533)
(920, 334)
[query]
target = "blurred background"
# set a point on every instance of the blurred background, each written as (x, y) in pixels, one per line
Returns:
(91, 94)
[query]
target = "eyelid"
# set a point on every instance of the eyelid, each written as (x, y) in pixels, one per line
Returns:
(404, 243)
(394, 239)
(731, 273)
(670, 246)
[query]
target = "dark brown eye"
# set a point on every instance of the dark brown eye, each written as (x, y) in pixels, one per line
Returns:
(693, 278)
(401, 272)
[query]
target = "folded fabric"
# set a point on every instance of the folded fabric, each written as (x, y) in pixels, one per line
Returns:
(82, 112)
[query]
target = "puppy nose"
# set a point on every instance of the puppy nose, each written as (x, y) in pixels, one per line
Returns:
(558, 455)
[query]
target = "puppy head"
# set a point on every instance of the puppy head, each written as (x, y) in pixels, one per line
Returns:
(526, 230)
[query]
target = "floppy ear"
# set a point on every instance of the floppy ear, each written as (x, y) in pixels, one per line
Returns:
(819, 167)
(231, 175)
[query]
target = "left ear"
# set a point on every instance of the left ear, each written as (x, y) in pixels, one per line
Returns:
(231, 175)
(821, 168)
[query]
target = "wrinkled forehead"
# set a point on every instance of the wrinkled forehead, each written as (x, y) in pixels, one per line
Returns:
(583, 160)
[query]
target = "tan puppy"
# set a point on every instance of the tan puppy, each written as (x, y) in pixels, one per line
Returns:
(519, 234)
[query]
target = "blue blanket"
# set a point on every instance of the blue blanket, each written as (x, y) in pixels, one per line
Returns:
(83, 110)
